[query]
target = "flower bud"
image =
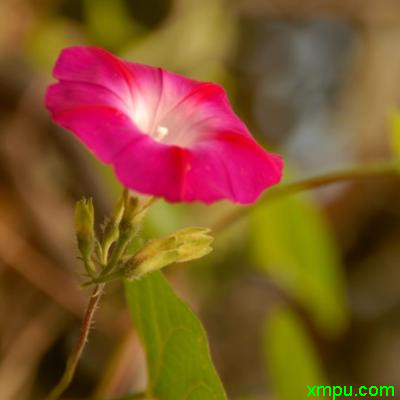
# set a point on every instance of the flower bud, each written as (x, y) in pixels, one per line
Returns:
(84, 227)
(119, 211)
(195, 250)
(192, 234)
(131, 210)
(184, 245)
(111, 229)
(158, 261)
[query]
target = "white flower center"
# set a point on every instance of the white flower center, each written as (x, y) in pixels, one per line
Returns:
(161, 133)
(169, 124)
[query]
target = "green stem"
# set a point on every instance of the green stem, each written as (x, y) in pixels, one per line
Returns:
(365, 171)
(75, 356)
(105, 278)
(117, 253)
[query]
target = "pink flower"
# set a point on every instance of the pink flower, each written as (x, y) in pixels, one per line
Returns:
(165, 135)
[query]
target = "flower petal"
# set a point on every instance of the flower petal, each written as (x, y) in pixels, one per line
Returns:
(66, 95)
(153, 168)
(95, 66)
(229, 166)
(165, 135)
(105, 130)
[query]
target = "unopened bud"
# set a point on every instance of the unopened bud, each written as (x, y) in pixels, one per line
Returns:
(192, 234)
(119, 211)
(137, 269)
(84, 227)
(111, 229)
(194, 243)
(193, 251)
(131, 209)
(184, 245)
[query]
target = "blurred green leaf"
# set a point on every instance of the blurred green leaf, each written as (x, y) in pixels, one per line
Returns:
(165, 218)
(291, 359)
(178, 356)
(109, 22)
(48, 38)
(394, 121)
(293, 244)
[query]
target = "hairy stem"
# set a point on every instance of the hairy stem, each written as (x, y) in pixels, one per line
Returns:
(364, 171)
(75, 356)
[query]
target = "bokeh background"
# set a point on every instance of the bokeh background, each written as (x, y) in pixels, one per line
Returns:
(301, 291)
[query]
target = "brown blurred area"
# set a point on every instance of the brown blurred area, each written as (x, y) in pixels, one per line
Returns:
(316, 80)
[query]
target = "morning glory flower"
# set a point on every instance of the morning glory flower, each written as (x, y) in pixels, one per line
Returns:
(164, 134)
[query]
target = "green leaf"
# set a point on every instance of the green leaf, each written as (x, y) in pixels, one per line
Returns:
(109, 22)
(178, 356)
(394, 122)
(290, 356)
(46, 39)
(293, 244)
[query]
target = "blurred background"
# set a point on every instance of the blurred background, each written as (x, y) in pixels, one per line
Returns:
(302, 291)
